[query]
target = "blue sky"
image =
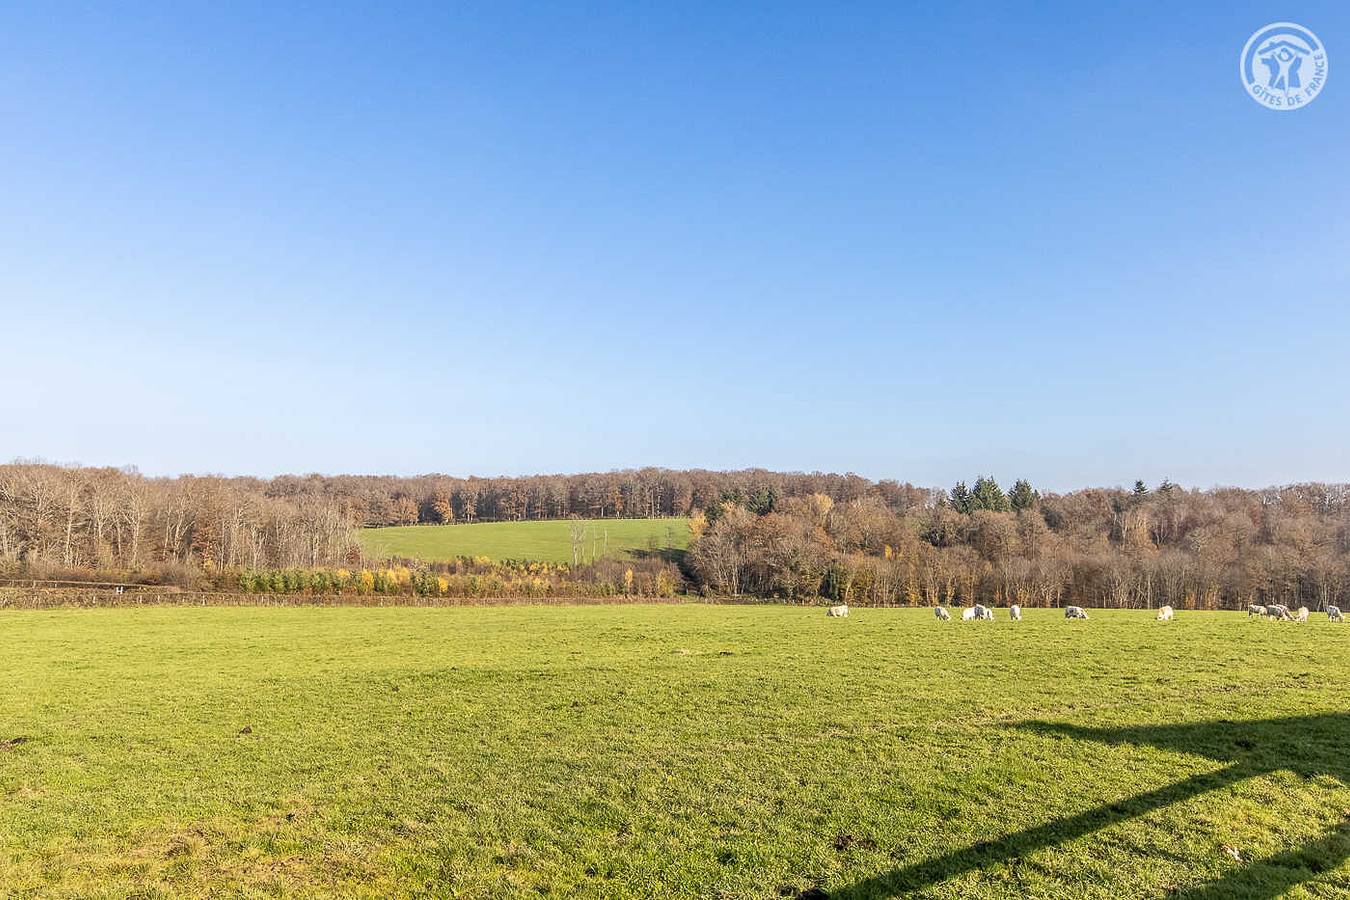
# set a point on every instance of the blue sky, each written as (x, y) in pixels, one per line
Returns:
(920, 242)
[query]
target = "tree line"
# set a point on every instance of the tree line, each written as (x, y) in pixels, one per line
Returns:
(635, 493)
(1103, 547)
(792, 536)
(57, 518)
(68, 519)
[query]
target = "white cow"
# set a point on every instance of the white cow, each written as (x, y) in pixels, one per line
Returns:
(1279, 611)
(1165, 614)
(968, 614)
(1256, 609)
(1301, 615)
(984, 612)
(942, 614)
(837, 612)
(1015, 613)
(1075, 612)
(1334, 614)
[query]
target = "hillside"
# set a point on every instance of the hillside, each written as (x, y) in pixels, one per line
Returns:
(551, 541)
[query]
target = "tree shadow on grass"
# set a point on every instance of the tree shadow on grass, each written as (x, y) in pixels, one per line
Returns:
(1306, 745)
(664, 554)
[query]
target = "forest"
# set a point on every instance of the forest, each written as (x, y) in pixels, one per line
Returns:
(1101, 547)
(794, 537)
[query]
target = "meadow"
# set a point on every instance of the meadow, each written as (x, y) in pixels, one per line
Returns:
(670, 751)
(544, 541)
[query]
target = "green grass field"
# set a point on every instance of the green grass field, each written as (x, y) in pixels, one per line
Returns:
(670, 751)
(549, 541)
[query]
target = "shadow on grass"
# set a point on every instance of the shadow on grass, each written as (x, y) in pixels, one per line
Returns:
(1307, 745)
(664, 554)
(1276, 875)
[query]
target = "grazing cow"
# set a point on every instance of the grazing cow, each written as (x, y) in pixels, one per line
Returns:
(968, 615)
(1255, 609)
(1301, 615)
(1279, 611)
(1334, 614)
(1015, 613)
(984, 612)
(1075, 612)
(837, 612)
(1165, 614)
(942, 614)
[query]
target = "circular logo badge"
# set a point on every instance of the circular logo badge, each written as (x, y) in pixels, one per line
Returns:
(1283, 66)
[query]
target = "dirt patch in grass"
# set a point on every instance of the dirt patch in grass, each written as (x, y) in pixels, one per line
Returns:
(844, 842)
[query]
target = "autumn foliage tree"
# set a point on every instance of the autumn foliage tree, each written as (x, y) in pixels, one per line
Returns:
(1136, 548)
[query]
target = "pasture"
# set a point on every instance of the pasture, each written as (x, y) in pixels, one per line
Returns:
(670, 751)
(544, 541)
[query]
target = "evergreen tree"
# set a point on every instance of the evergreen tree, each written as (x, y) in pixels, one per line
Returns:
(960, 498)
(988, 495)
(1022, 496)
(762, 501)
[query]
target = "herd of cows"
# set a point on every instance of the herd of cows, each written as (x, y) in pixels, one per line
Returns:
(980, 612)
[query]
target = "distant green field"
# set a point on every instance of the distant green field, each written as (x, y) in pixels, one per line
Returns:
(547, 541)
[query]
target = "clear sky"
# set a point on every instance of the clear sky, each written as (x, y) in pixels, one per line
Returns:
(917, 241)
